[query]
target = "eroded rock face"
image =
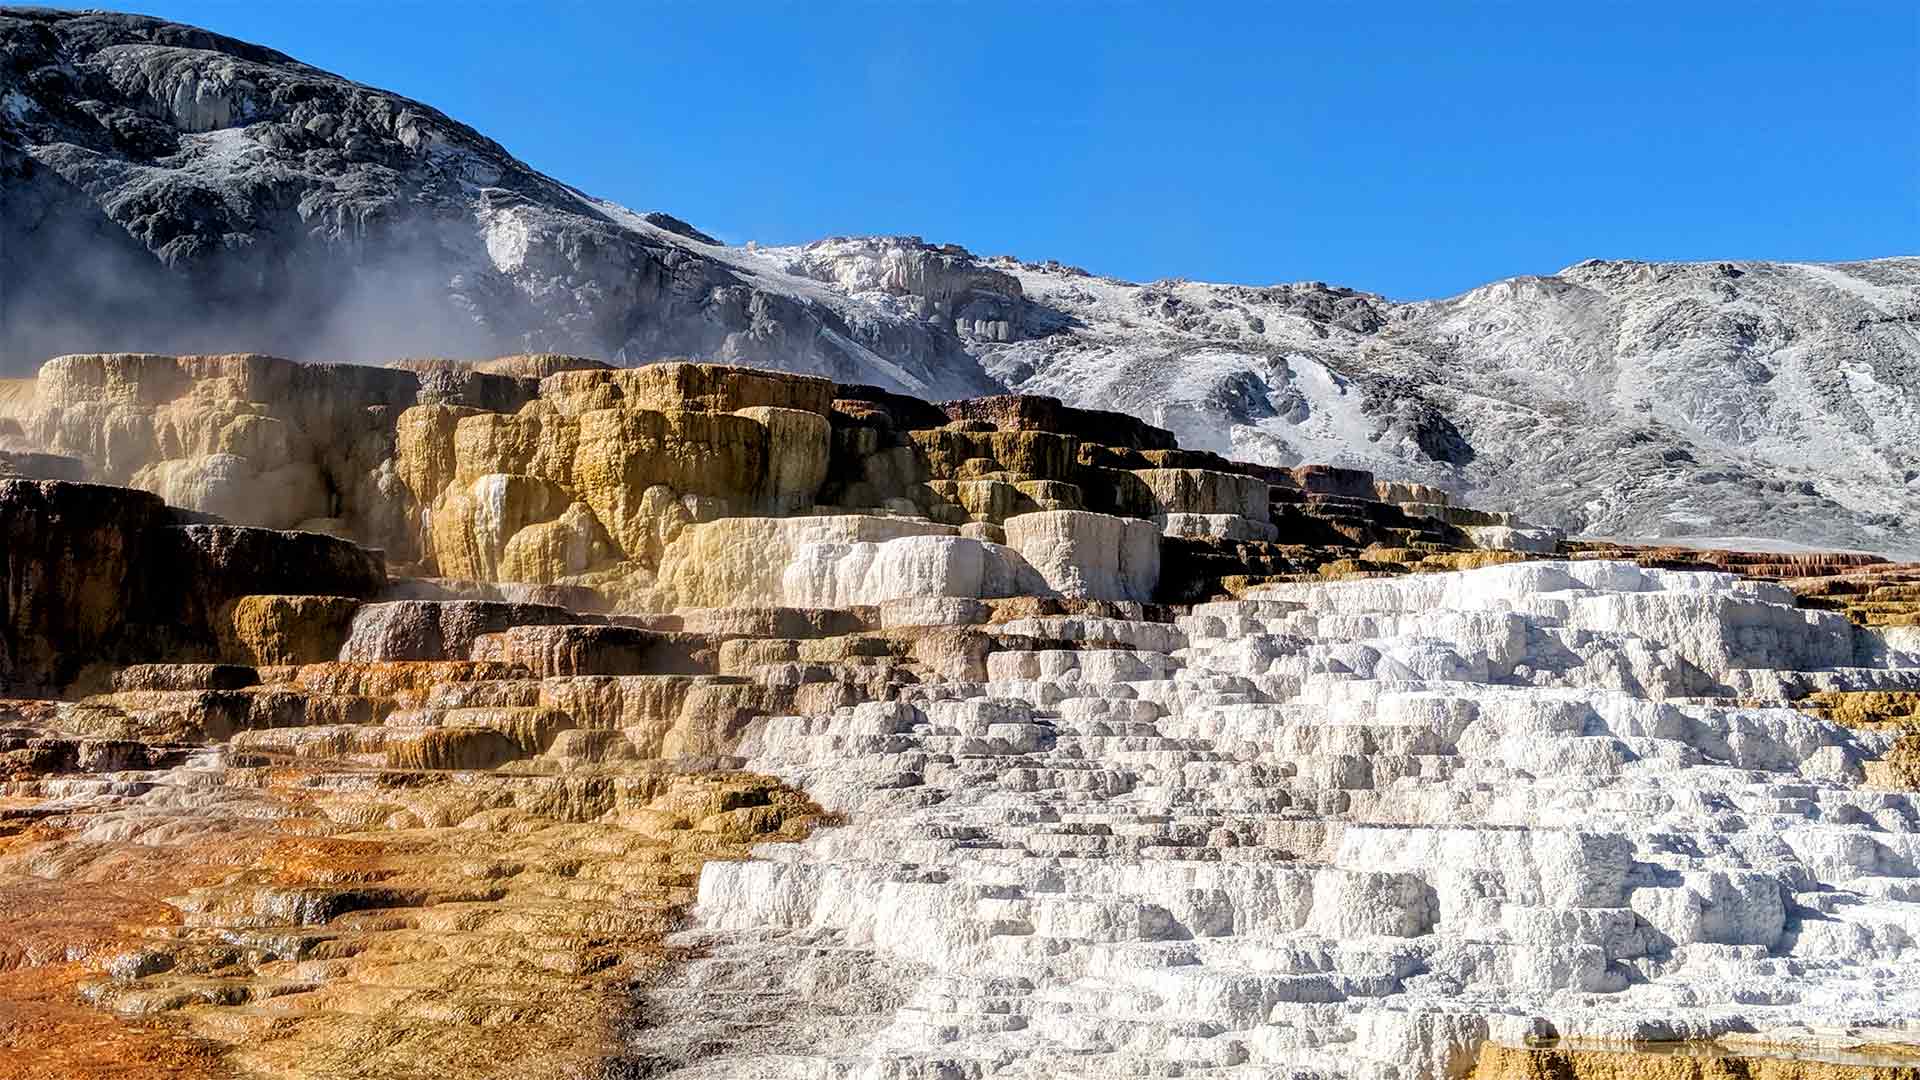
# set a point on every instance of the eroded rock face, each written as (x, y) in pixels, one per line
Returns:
(942, 284)
(253, 439)
(99, 575)
(628, 489)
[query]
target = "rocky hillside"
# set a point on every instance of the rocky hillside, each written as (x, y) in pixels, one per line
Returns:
(168, 188)
(1613, 398)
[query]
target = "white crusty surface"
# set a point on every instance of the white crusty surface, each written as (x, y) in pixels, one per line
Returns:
(1333, 830)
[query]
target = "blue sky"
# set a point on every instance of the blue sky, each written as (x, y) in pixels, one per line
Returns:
(1413, 149)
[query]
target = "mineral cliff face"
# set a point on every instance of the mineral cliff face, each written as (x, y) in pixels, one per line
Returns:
(681, 485)
(167, 187)
(538, 717)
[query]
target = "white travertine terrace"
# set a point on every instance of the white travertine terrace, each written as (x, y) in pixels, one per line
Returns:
(1354, 829)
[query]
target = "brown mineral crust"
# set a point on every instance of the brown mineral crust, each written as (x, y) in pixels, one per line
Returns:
(1329, 480)
(72, 554)
(275, 629)
(511, 942)
(686, 386)
(872, 405)
(307, 921)
(1901, 765)
(1872, 594)
(1895, 711)
(1678, 1062)
(1032, 412)
(47, 1033)
(1354, 483)
(55, 935)
(403, 681)
(598, 650)
(1009, 608)
(1869, 710)
(1030, 455)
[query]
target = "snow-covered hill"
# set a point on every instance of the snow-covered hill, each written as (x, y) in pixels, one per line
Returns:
(1617, 398)
(1623, 399)
(162, 187)
(166, 188)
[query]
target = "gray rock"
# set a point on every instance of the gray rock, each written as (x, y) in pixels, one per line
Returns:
(27, 465)
(436, 629)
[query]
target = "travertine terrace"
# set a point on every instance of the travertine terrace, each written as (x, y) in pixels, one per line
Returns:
(541, 718)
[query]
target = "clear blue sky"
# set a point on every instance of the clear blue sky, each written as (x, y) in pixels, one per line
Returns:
(1414, 149)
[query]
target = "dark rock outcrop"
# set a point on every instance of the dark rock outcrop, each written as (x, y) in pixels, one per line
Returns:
(73, 555)
(215, 564)
(1032, 412)
(98, 574)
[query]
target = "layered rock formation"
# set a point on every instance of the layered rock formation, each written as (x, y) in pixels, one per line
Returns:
(683, 485)
(709, 721)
